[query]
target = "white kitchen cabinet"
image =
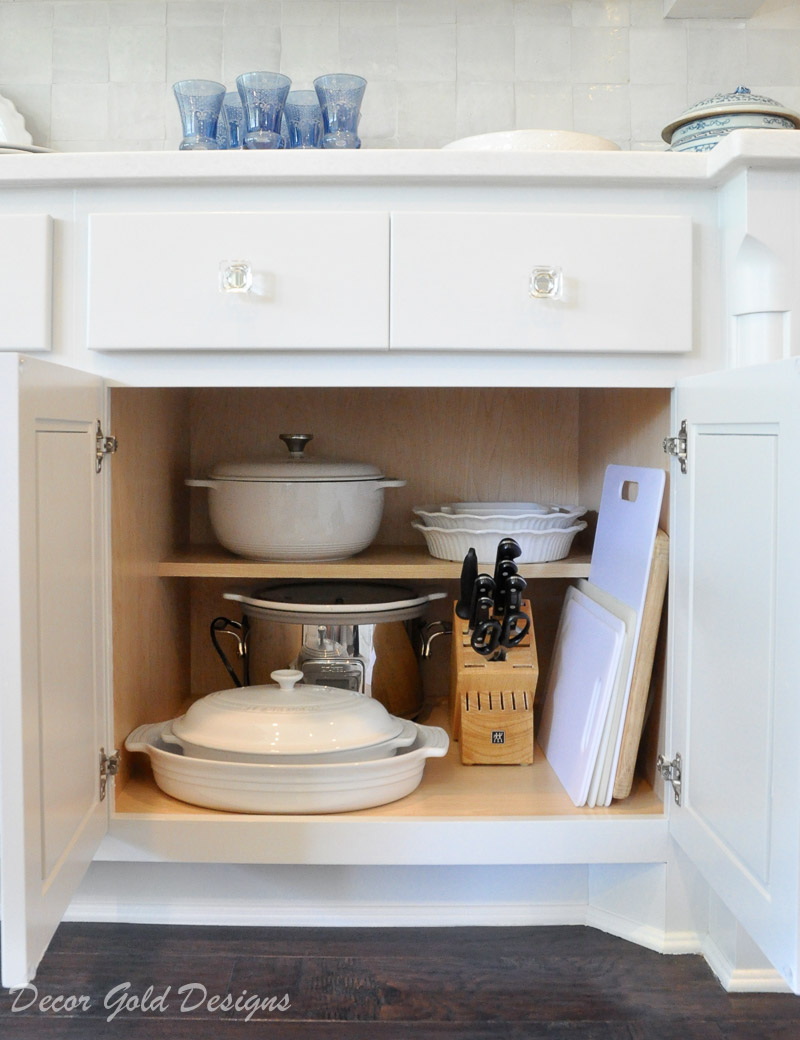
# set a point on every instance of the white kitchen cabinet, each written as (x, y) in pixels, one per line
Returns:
(596, 283)
(26, 283)
(238, 281)
(179, 408)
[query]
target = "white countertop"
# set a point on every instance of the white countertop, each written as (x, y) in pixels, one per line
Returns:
(743, 149)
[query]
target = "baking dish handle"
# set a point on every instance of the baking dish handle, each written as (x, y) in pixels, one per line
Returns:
(192, 482)
(390, 482)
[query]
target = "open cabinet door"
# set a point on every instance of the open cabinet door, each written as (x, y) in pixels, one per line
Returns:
(735, 592)
(52, 642)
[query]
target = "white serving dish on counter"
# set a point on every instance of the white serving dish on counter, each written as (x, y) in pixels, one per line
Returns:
(532, 141)
(327, 787)
(536, 546)
(546, 518)
(290, 723)
(297, 507)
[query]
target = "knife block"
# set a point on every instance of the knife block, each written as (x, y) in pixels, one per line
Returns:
(491, 702)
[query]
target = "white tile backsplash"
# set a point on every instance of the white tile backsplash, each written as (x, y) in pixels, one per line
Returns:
(98, 73)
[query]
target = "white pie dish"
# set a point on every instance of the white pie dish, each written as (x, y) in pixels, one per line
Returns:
(546, 519)
(275, 788)
(536, 546)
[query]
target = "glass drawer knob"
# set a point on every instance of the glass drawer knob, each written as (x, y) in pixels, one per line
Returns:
(546, 283)
(235, 276)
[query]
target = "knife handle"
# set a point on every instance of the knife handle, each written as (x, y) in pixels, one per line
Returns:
(469, 575)
(514, 587)
(504, 570)
(483, 588)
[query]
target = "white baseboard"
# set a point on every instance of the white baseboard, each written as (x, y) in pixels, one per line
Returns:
(741, 980)
(435, 916)
(643, 935)
(327, 916)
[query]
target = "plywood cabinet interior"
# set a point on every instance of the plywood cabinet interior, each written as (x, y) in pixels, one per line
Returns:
(548, 445)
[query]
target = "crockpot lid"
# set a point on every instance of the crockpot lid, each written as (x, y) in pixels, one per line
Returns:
(334, 602)
(290, 718)
(296, 466)
(740, 100)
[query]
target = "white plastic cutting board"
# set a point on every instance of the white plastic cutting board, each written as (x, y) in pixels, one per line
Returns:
(627, 522)
(580, 684)
(600, 787)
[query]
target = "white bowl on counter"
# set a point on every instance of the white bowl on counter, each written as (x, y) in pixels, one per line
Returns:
(247, 787)
(532, 141)
(536, 546)
(546, 519)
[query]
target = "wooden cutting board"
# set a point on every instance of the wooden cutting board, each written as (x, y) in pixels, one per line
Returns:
(642, 666)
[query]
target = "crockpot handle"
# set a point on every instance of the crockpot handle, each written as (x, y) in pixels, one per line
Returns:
(191, 482)
(390, 482)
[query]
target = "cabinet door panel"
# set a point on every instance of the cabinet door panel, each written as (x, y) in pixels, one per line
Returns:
(238, 281)
(462, 281)
(736, 600)
(52, 645)
(26, 281)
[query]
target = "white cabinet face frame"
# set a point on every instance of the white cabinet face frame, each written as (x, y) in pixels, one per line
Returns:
(26, 281)
(53, 718)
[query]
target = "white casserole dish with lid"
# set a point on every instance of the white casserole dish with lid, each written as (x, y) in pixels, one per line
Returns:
(288, 723)
(296, 507)
(326, 787)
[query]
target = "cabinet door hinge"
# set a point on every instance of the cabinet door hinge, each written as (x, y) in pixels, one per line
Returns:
(677, 446)
(670, 770)
(103, 446)
(109, 766)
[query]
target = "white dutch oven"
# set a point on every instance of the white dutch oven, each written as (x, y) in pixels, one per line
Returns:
(296, 508)
(290, 724)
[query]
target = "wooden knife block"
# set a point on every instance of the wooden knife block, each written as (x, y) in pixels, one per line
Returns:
(491, 702)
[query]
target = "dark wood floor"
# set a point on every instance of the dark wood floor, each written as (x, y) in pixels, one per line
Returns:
(387, 984)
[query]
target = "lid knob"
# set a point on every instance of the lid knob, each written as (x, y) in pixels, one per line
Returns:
(296, 443)
(286, 678)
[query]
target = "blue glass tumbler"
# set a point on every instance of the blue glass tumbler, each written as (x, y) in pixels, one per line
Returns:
(234, 119)
(340, 97)
(263, 96)
(199, 103)
(303, 119)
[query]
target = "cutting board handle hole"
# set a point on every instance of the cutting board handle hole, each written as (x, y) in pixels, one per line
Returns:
(630, 490)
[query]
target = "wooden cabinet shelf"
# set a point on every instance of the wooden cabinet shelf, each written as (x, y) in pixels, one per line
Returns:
(379, 561)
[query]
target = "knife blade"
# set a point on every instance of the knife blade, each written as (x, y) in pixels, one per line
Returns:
(469, 575)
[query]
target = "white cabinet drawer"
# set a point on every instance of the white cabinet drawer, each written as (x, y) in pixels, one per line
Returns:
(26, 281)
(462, 281)
(238, 281)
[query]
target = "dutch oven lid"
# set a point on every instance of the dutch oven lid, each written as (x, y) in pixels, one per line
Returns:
(296, 466)
(289, 719)
(334, 602)
(740, 100)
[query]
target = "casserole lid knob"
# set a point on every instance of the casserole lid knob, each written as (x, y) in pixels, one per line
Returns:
(296, 443)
